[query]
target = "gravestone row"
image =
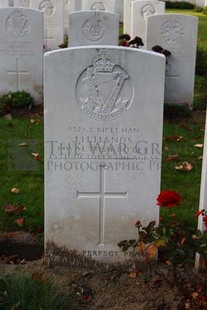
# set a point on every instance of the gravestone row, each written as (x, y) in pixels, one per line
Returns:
(174, 32)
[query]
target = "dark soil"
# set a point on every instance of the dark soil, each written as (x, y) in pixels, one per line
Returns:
(31, 112)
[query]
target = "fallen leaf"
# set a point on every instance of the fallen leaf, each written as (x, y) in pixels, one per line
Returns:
(9, 208)
(150, 251)
(36, 156)
(22, 144)
(20, 209)
(11, 259)
(173, 138)
(32, 121)
(20, 221)
(15, 190)
(10, 235)
(184, 167)
(200, 158)
(171, 158)
(133, 274)
(200, 146)
(195, 295)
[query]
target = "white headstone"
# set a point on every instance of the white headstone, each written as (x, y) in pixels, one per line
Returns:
(69, 7)
(21, 51)
(203, 190)
(93, 28)
(141, 10)
(22, 3)
(119, 9)
(53, 21)
(202, 3)
(6, 3)
(104, 5)
(127, 16)
(176, 33)
(103, 142)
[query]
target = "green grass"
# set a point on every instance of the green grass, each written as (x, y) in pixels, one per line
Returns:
(13, 160)
(186, 183)
(32, 292)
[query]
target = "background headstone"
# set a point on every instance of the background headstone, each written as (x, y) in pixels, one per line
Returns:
(104, 5)
(103, 142)
(176, 33)
(141, 10)
(201, 3)
(93, 28)
(119, 9)
(21, 51)
(69, 7)
(53, 21)
(22, 3)
(6, 3)
(127, 16)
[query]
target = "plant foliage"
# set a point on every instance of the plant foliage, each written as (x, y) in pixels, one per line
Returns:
(16, 99)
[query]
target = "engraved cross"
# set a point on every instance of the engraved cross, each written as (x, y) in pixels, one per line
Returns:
(18, 73)
(102, 194)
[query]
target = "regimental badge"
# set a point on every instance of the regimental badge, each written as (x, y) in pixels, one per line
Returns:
(24, 2)
(93, 28)
(104, 90)
(171, 31)
(17, 24)
(99, 6)
(148, 10)
(47, 7)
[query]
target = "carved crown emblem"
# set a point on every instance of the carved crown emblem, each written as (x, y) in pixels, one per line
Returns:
(103, 64)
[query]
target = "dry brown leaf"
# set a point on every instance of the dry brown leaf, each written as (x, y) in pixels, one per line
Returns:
(36, 156)
(171, 158)
(23, 144)
(199, 145)
(195, 295)
(10, 235)
(173, 138)
(184, 167)
(20, 221)
(9, 208)
(15, 190)
(133, 274)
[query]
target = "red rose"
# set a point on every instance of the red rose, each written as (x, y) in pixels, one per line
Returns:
(168, 199)
(137, 223)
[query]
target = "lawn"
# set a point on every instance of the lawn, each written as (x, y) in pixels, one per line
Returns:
(21, 169)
